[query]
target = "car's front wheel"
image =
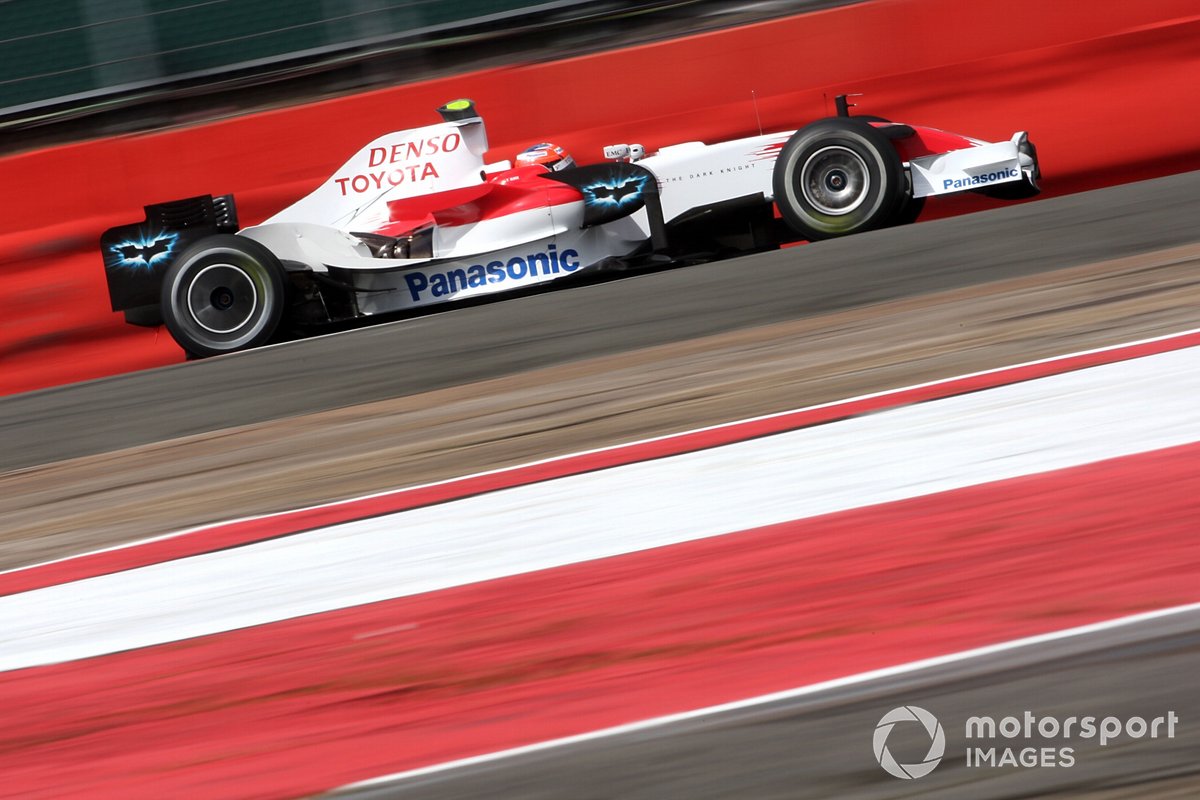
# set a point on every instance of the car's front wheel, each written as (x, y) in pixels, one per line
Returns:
(836, 177)
(222, 294)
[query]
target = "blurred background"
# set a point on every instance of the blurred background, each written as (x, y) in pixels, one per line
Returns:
(75, 68)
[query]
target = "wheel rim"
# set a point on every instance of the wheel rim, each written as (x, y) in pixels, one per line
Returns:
(222, 298)
(835, 180)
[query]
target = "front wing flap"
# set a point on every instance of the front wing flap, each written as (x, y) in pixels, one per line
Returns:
(964, 170)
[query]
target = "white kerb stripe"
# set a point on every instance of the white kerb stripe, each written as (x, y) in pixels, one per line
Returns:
(1040, 425)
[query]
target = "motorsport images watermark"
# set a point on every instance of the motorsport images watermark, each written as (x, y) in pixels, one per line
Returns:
(991, 741)
(937, 742)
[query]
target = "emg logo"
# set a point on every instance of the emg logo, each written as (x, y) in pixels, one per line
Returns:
(937, 742)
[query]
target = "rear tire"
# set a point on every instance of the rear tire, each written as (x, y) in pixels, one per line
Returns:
(836, 177)
(224, 293)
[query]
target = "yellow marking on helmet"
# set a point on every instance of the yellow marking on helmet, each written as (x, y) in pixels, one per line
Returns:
(458, 105)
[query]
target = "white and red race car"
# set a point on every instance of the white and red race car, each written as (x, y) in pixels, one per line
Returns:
(417, 218)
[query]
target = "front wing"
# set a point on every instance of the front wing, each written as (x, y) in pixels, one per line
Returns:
(973, 168)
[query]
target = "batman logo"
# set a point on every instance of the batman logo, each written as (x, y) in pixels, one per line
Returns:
(625, 191)
(145, 251)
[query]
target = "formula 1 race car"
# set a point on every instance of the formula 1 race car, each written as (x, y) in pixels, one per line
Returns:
(417, 218)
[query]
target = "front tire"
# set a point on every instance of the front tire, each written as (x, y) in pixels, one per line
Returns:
(224, 293)
(836, 177)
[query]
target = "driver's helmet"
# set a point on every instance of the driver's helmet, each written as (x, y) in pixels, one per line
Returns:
(549, 155)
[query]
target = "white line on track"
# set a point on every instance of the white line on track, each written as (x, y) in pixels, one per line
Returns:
(1040, 425)
(787, 694)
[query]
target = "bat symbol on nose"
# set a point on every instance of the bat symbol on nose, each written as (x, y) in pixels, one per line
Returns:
(616, 193)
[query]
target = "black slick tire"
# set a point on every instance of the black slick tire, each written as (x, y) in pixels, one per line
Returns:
(836, 177)
(224, 293)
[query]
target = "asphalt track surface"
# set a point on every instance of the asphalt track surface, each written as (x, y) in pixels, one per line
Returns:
(820, 746)
(470, 344)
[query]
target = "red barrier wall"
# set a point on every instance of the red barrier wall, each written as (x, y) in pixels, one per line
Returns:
(1106, 96)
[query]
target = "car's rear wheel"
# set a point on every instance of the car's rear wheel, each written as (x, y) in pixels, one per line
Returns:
(836, 177)
(224, 293)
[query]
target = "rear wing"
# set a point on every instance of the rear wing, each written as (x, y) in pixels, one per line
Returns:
(136, 256)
